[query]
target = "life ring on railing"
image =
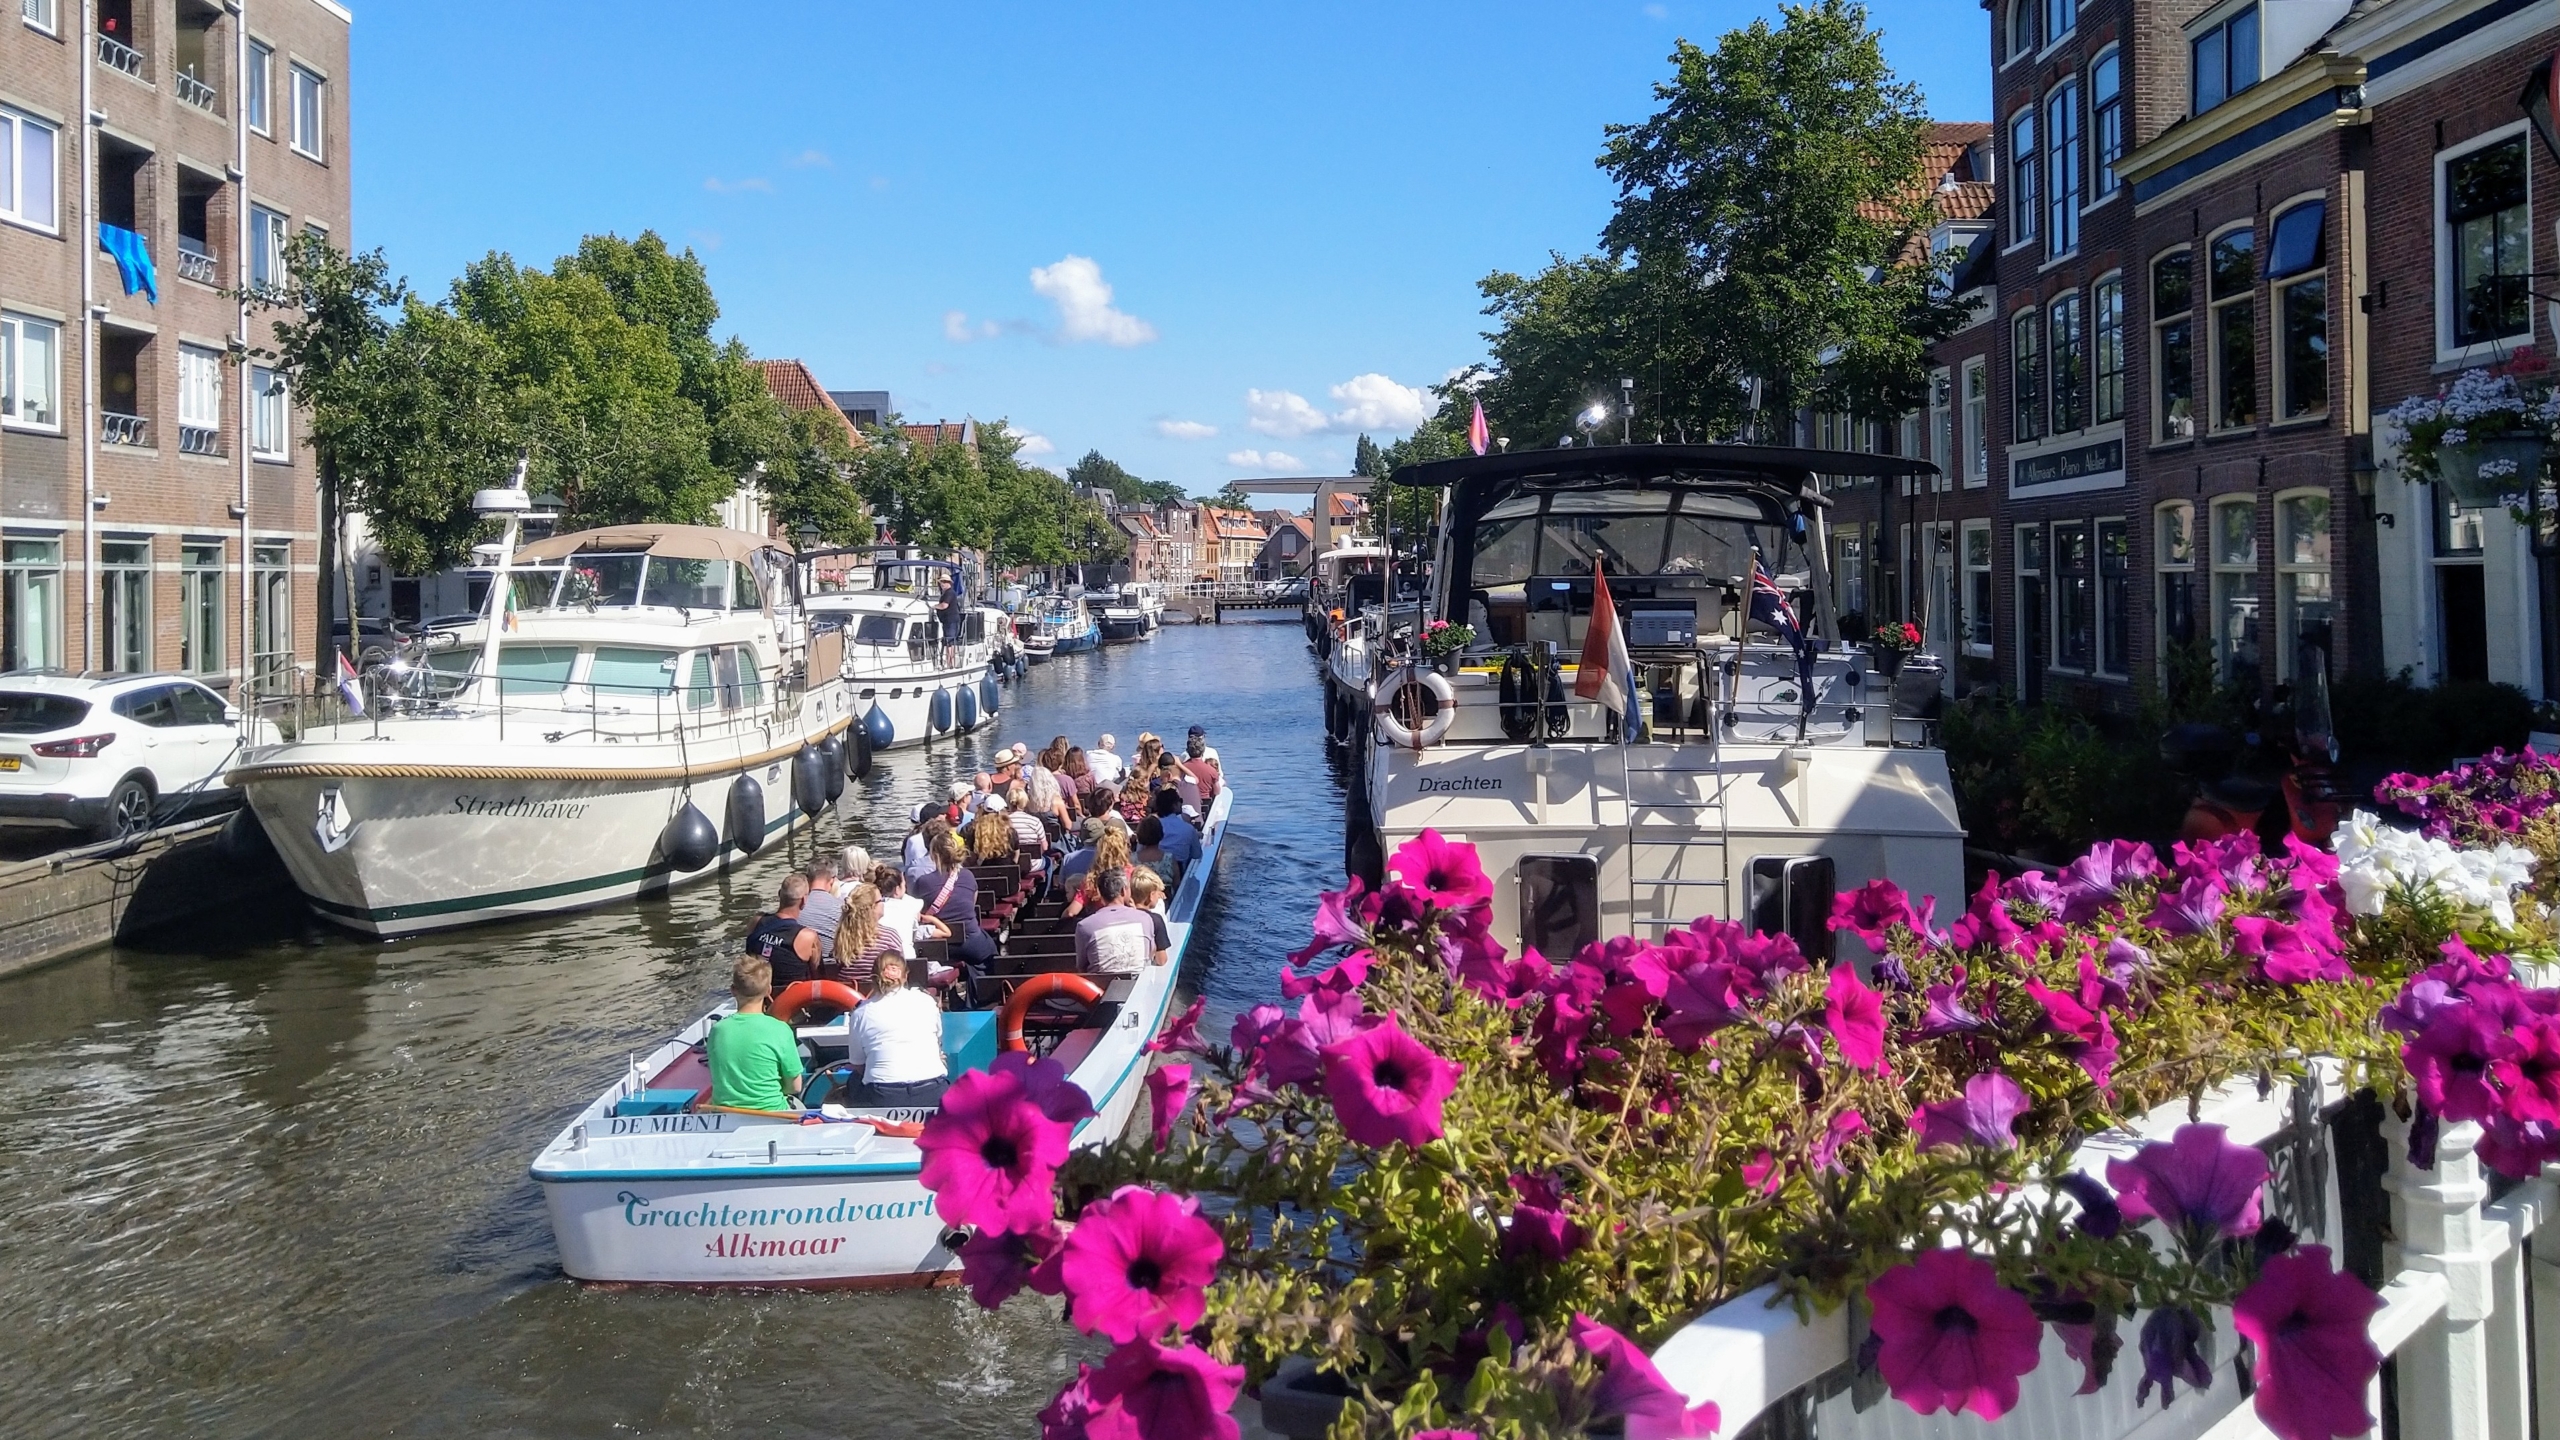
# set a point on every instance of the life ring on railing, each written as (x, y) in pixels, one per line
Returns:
(1017, 1006)
(1401, 682)
(802, 993)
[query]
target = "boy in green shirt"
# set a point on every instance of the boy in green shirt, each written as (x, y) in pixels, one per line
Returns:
(755, 1058)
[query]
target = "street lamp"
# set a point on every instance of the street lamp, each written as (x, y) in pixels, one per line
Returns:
(1627, 390)
(808, 536)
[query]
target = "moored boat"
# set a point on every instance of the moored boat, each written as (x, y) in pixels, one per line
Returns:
(910, 682)
(645, 1185)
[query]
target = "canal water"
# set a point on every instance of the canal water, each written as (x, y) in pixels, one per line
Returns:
(273, 1182)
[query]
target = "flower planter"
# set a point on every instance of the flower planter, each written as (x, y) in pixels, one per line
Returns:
(2486, 472)
(1888, 662)
(1300, 1404)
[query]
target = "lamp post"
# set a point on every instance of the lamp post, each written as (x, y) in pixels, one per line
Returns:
(1627, 390)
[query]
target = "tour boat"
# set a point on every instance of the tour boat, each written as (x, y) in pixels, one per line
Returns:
(1131, 612)
(636, 707)
(1750, 779)
(1058, 625)
(648, 1186)
(909, 682)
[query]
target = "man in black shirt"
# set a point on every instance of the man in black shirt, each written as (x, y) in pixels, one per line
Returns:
(781, 941)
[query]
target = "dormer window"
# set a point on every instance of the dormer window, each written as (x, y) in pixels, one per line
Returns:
(2225, 59)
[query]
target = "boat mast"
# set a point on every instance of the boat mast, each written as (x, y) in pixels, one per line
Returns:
(510, 501)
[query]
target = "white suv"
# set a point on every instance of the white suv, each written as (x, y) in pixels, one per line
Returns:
(113, 754)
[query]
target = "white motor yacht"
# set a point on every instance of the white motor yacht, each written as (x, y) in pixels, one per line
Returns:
(1748, 778)
(910, 681)
(636, 707)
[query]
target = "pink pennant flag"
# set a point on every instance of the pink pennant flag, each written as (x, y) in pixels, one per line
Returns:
(1479, 435)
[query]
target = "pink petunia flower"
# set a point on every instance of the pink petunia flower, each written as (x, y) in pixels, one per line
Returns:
(1337, 922)
(2530, 1075)
(1147, 1392)
(1986, 923)
(2197, 1183)
(1440, 872)
(1387, 1086)
(1045, 1081)
(1340, 978)
(999, 1264)
(1538, 1231)
(1985, 1114)
(2449, 1061)
(1168, 1090)
(1632, 1387)
(2191, 909)
(1873, 911)
(1183, 1035)
(1066, 1414)
(1139, 1262)
(991, 1154)
(1854, 1014)
(1844, 1127)
(1954, 1338)
(2086, 1035)
(2315, 1356)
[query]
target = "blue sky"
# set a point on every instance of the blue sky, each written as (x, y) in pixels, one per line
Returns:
(1212, 241)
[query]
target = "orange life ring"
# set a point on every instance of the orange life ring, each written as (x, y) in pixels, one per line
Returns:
(786, 1006)
(1017, 1006)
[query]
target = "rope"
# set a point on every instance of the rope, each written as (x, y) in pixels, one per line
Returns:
(366, 770)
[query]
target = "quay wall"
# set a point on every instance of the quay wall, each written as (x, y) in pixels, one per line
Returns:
(59, 905)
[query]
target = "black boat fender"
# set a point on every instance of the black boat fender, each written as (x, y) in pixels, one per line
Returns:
(832, 748)
(857, 756)
(809, 780)
(690, 842)
(746, 815)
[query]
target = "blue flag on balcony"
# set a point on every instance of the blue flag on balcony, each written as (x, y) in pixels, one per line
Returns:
(133, 260)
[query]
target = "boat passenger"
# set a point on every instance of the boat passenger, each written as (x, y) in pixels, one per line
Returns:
(991, 835)
(901, 914)
(1201, 764)
(1119, 938)
(1030, 837)
(921, 848)
(952, 898)
(1040, 781)
(1146, 889)
(1105, 762)
(789, 949)
(895, 1041)
(1196, 745)
(1080, 771)
(1149, 853)
(1134, 792)
(1150, 749)
(754, 1058)
(1110, 856)
(825, 904)
(854, 959)
(1181, 837)
(853, 866)
(963, 802)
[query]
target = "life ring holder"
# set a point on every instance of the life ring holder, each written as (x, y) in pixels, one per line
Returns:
(1017, 1006)
(1432, 730)
(801, 993)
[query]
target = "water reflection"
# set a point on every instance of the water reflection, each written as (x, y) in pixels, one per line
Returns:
(282, 1187)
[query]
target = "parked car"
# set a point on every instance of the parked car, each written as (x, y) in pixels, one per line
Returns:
(111, 754)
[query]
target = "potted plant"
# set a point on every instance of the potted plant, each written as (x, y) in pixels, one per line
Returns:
(1893, 643)
(1443, 642)
(2485, 434)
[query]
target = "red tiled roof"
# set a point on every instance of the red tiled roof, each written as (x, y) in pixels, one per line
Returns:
(937, 433)
(1346, 507)
(1942, 155)
(793, 385)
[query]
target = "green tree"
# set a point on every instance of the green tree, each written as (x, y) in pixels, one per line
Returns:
(1232, 497)
(809, 482)
(1364, 455)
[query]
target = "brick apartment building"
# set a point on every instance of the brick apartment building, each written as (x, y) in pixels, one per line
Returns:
(2232, 232)
(156, 508)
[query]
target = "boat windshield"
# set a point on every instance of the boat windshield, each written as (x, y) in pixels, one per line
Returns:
(1664, 552)
(880, 630)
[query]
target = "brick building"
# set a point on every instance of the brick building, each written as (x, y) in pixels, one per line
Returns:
(156, 508)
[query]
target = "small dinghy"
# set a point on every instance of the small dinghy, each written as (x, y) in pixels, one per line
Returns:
(650, 1184)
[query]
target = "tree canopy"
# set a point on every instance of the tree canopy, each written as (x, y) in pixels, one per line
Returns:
(943, 497)
(1097, 471)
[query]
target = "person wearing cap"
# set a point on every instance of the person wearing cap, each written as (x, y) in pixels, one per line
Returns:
(1080, 860)
(1105, 763)
(963, 800)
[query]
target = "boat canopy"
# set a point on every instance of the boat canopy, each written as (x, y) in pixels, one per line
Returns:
(675, 542)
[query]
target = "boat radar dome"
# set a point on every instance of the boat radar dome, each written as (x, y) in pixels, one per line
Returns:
(501, 500)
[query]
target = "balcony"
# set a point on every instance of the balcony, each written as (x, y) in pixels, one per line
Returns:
(116, 429)
(197, 265)
(197, 93)
(117, 55)
(198, 440)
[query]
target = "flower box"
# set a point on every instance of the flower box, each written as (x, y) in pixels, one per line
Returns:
(2487, 472)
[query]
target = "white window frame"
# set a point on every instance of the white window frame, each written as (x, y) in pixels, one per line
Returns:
(2497, 347)
(2104, 183)
(2053, 34)
(2216, 423)
(2277, 367)
(121, 574)
(39, 571)
(2020, 406)
(315, 146)
(2100, 331)
(2061, 170)
(258, 87)
(202, 615)
(42, 16)
(1977, 421)
(2231, 573)
(2160, 323)
(271, 230)
(2100, 610)
(200, 387)
(2163, 567)
(14, 336)
(2062, 306)
(2288, 628)
(1988, 570)
(1942, 442)
(2026, 159)
(2033, 11)
(270, 416)
(14, 125)
(2020, 572)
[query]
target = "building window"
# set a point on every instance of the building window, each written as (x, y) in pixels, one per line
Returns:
(2489, 244)
(1942, 418)
(2173, 348)
(269, 232)
(30, 372)
(200, 607)
(2074, 597)
(2106, 122)
(39, 13)
(124, 604)
(272, 643)
(309, 101)
(2175, 559)
(2225, 59)
(2233, 275)
(2026, 380)
(270, 435)
(1909, 441)
(2068, 364)
(2298, 267)
(1977, 587)
(2058, 18)
(2024, 162)
(1849, 569)
(2106, 325)
(31, 628)
(2027, 559)
(199, 399)
(2023, 39)
(2235, 589)
(2304, 602)
(2062, 169)
(27, 151)
(257, 85)
(1977, 421)
(2115, 600)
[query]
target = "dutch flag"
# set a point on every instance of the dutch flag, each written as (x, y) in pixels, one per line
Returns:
(1605, 672)
(349, 686)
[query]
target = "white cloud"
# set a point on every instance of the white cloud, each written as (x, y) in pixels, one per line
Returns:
(1075, 285)
(1281, 412)
(1276, 462)
(1374, 402)
(1035, 444)
(812, 160)
(960, 330)
(1185, 430)
(1658, 12)
(718, 186)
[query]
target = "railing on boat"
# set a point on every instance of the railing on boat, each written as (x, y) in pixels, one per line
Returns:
(608, 712)
(2468, 1275)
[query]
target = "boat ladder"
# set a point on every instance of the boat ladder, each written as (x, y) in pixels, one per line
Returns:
(1678, 838)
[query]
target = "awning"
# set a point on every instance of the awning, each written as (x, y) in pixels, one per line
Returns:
(679, 542)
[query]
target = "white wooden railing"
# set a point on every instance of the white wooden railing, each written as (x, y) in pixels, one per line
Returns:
(2465, 1295)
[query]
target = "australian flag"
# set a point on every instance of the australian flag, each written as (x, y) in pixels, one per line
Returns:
(1770, 608)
